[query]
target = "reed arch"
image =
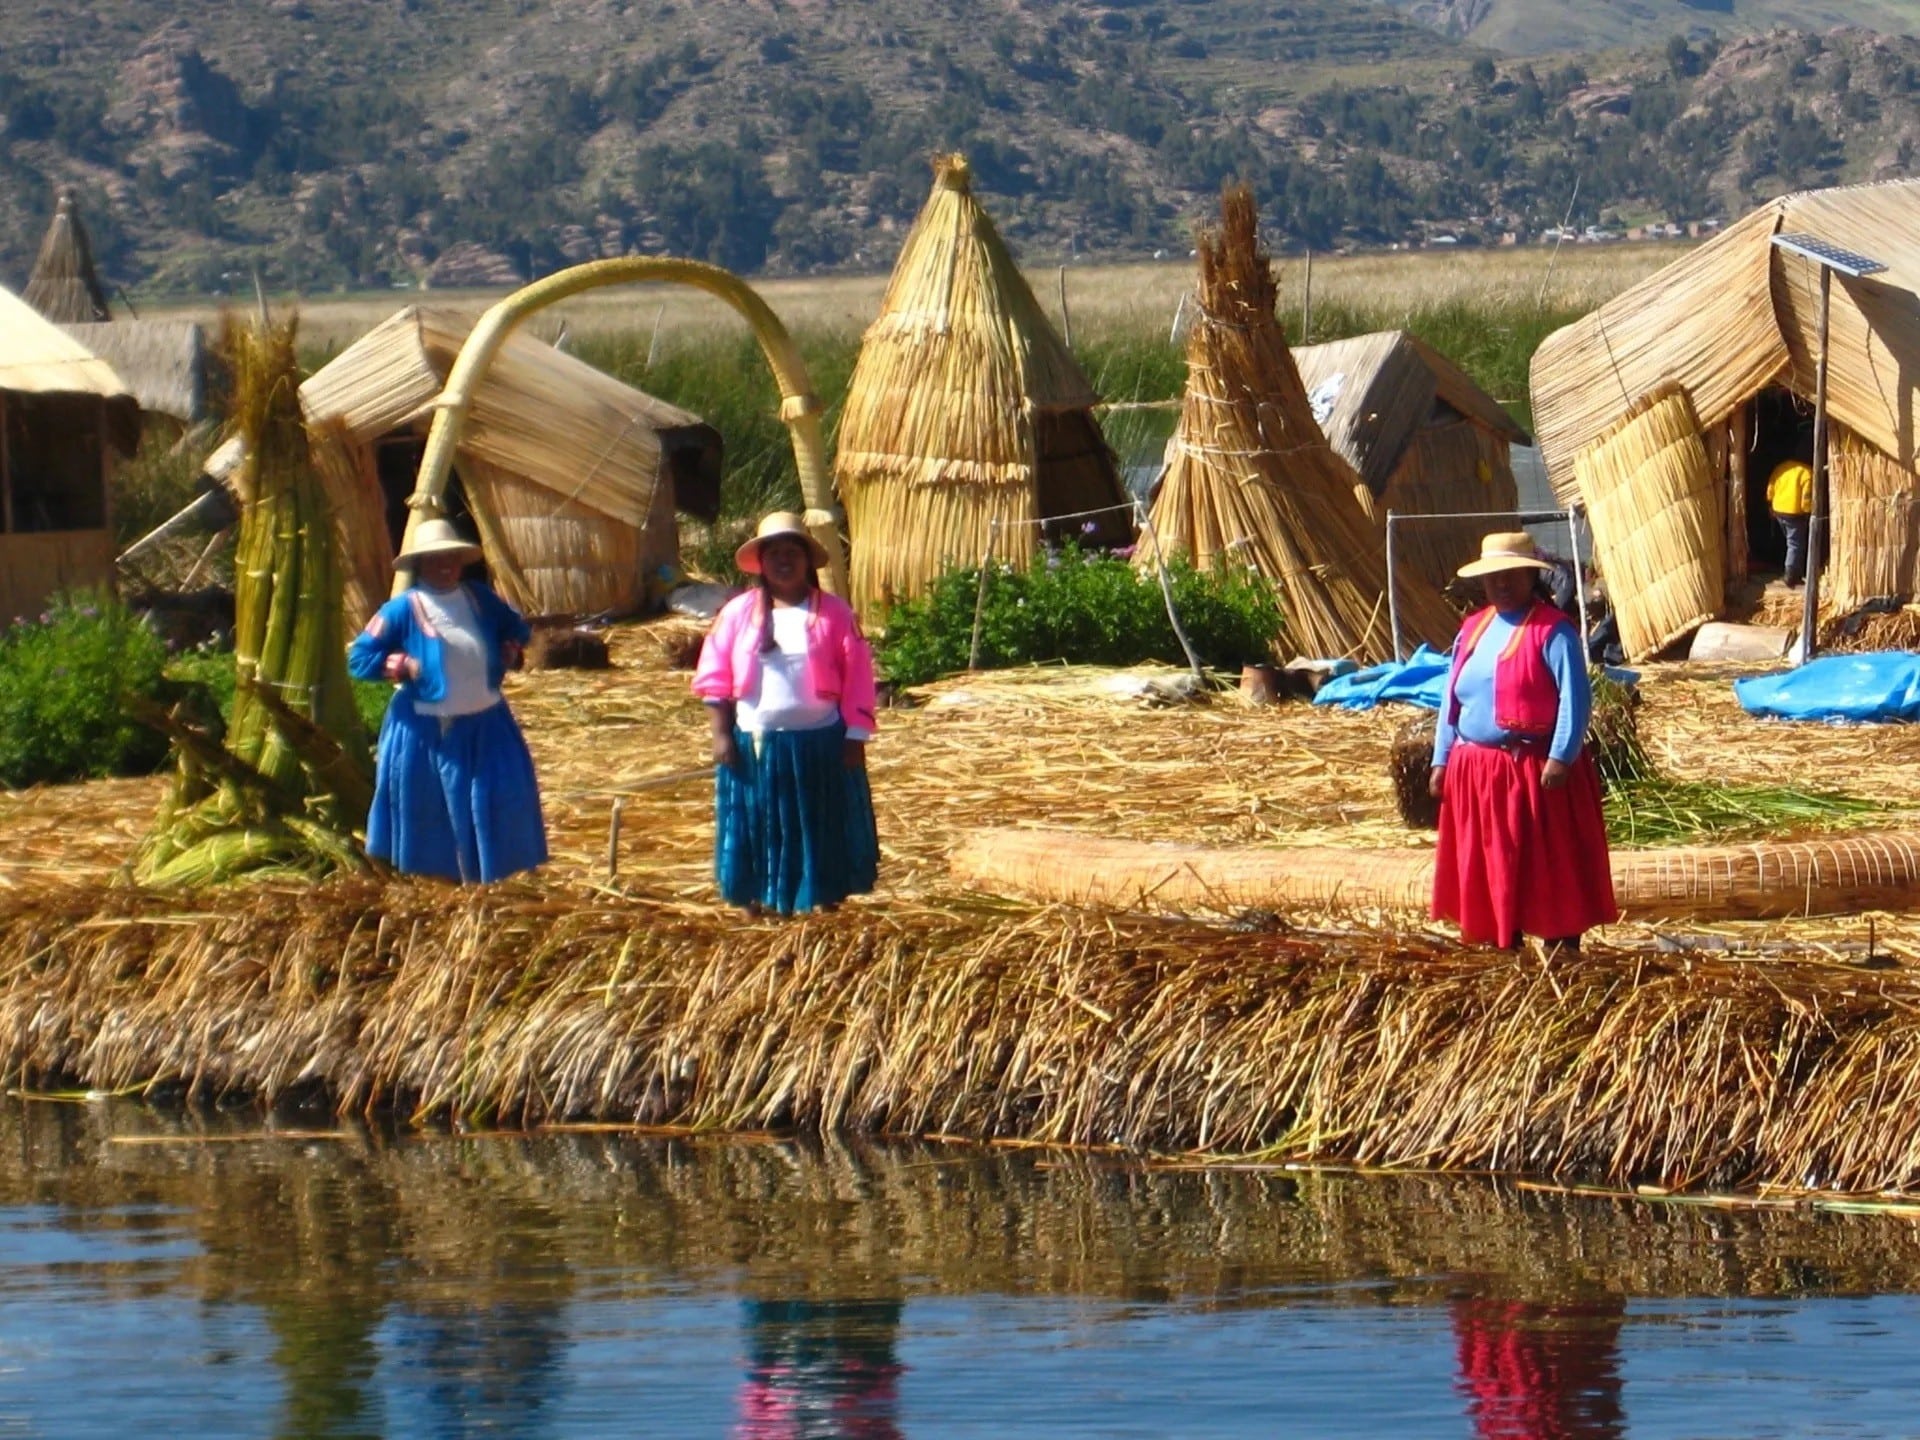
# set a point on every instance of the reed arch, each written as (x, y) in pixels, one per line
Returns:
(799, 409)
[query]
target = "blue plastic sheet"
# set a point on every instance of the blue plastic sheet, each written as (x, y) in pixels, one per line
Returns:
(1882, 685)
(1419, 680)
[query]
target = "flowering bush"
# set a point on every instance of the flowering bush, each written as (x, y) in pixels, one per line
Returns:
(64, 679)
(1091, 609)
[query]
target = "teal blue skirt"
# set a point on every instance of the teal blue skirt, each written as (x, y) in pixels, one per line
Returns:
(793, 826)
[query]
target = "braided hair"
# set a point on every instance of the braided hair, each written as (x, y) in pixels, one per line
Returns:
(766, 604)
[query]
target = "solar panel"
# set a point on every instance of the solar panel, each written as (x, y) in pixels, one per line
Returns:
(1822, 252)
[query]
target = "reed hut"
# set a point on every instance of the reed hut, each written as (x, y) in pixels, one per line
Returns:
(64, 285)
(64, 420)
(1251, 480)
(1666, 409)
(1423, 437)
(165, 363)
(968, 424)
(571, 477)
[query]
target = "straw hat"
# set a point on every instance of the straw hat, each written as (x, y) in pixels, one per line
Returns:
(773, 527)
(1504, 550)
(437, 537)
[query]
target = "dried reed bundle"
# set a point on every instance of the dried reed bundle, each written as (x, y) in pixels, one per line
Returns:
(1251, 480)
(293, 780)
(1876, 525)
(1409, 766)
(509, 1004)
(1655, 512)
(64, 286)
(964, 409)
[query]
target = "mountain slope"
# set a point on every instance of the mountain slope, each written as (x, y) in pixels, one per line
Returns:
(1533, 27)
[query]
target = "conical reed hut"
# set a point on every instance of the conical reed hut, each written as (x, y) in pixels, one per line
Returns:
(64, 286)
(1251, 480)
(965, 409)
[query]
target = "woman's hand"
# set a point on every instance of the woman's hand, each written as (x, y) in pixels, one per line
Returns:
(726, 754)
(1437, 782)
(401, 668)
(512, 654)
(1553, 775)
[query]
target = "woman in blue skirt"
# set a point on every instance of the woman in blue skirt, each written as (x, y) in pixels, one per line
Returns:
(454, 792)
(788, 680)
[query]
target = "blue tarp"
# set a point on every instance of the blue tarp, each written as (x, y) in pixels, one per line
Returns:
(1883, 685)
(1418, 680)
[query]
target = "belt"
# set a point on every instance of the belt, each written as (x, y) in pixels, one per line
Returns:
(1517, 744)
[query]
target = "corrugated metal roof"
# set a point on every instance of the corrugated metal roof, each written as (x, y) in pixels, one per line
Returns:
(37, 357)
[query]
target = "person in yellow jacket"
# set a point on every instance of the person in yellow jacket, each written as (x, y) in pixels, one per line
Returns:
(1790, 497)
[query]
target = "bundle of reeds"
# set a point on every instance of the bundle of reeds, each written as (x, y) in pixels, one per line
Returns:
(1409, 767)
(1251, 480)
(966, 420)
(64, 286)
(1876, 524)
(517, 1004)
(293, 779)
(1655, 512)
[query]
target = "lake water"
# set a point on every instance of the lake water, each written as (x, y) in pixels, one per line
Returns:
(161, 1274)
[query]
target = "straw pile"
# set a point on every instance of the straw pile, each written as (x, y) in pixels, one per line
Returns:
(293, 779)
(1655, 512)
(517, 1006)
(1876, 524)
(1410, 768)
(964, 409)
(64, 286)
(1251, 480)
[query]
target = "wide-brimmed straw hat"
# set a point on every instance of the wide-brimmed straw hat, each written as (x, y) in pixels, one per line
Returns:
(1505, 550)
(437, 537)
(780, 524)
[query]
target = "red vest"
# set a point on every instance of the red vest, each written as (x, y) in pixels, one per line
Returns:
(1525, 699)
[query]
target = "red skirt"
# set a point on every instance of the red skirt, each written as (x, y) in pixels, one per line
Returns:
(1514, 859)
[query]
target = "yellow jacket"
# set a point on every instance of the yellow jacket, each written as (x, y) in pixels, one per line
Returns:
(1790, 488)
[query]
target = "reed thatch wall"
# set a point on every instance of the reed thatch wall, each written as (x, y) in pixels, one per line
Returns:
(1251, 479)
(1655, 506)
(1449, 469)
(964, 408)
(519, 1004)
(1876, 524)
(574, 461)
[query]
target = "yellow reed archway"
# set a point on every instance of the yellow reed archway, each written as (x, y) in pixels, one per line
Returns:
(798, 407)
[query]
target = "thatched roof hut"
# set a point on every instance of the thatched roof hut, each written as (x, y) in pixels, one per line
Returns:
(64, 286)
(64, 415)
(163, 362)
(965, 408)
(1714, 356)
(1251, 480)
(570, 476)
(1425, 439)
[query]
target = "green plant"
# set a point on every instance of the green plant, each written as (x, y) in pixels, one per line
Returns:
(211, 673)
(1073, 606)
(65, 679)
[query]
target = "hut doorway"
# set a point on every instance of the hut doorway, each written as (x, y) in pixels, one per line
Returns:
(397, 460)
(1782, 430)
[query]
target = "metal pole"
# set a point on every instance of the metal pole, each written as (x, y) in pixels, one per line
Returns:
(1579, 574)
(1179, 313)
(980, 596)
(1306, 301)
(1066, 317)
(1817, 526)
(1393, 596)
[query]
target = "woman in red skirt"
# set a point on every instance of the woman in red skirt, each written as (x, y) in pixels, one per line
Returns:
(1523, 849)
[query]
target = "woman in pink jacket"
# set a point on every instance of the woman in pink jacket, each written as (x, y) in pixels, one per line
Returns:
(788, 681)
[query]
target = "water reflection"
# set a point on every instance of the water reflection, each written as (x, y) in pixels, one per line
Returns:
(820, 1370)
(1541, 1372)
(583, 1285)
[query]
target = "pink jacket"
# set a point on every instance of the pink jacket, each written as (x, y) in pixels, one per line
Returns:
(839, 664)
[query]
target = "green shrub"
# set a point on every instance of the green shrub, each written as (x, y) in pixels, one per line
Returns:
(64, 682)
(1089, 609)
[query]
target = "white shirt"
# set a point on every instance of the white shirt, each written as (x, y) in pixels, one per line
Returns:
(782, 698)
(464, 651)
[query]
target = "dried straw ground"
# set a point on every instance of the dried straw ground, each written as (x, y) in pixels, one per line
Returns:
(923, 1011)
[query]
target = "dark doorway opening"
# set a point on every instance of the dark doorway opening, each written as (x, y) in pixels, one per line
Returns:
(1782, 430)
(397, 459)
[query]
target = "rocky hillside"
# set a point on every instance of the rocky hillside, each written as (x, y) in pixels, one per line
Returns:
(1531, 27)
(340, 143)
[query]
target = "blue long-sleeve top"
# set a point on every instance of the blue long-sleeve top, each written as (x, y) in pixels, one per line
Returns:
(396, 626)
(1475, 692)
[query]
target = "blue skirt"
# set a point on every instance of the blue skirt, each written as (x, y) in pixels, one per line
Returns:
(457, 800)
(793, 827)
